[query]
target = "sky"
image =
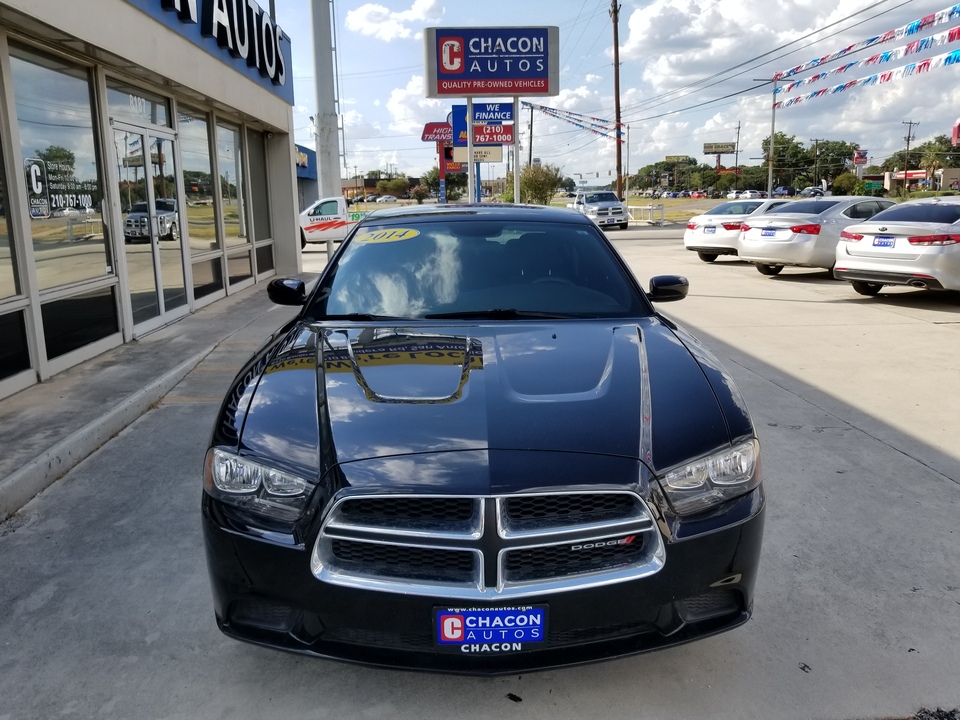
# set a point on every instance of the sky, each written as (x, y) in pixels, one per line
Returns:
(691, 72)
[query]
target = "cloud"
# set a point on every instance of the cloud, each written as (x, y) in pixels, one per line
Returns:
(410, 110)
(384, 24)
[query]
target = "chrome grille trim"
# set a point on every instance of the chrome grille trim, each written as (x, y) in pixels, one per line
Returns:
(489, 540)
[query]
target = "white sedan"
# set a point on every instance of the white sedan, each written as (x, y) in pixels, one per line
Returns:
(716, 231)
(915, 243)
(386, 199)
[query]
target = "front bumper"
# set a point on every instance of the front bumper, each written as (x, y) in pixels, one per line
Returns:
(265, 593)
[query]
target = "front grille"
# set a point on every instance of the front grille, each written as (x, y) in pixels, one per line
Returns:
(712, 604)
(487, 547)
(404, 561)
(559, 561)
(539, 512)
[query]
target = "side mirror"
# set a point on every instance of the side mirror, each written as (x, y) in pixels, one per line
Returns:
(287, 291)
(667, 288)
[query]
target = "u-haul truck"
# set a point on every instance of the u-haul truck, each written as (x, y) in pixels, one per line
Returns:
(327, 219)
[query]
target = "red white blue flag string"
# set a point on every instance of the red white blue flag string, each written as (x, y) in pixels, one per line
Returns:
(934, 63)
(598, 126)
(939, 18)
(944, 38)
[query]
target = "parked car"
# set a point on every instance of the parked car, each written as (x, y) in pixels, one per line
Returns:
(784, 191)
(698, 194)
(811, 191)
(751, 195)
(915, 243)
(371, 198)
(716, 231)
(803, 232)
(479, 448)
(386, 199)
(733, 194)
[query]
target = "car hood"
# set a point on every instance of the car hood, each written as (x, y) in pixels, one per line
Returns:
(328, 395)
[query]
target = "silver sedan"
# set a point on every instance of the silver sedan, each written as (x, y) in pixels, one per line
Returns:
(916, 243)
(716, 231)
(803, 233)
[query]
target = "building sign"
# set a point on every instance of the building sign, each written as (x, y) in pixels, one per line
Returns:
(493, 112)
(466, 62)
(719, 148)
(437, 132)
(238, 32)
(52, 187)
(480, 136)
(493, 134)
(306, 161)
(859, 157)
(489, 153)
(678, 158)
(38, 196)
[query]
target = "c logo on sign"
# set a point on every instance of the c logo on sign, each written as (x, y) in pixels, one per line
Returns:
(451, 55)
(451, 627)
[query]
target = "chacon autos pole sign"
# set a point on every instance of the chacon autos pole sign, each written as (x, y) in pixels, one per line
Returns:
(469, 62)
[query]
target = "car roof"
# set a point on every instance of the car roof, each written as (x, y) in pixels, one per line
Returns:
(477, 211)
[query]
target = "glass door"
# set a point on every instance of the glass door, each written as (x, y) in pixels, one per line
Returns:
(150, 216)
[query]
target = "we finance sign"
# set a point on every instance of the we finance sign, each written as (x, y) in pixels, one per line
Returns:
(470, 62)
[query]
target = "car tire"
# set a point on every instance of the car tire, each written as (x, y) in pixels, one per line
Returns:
(174, 235)
(769, 269)
(706, 257)
(866, 288)
(624, 226)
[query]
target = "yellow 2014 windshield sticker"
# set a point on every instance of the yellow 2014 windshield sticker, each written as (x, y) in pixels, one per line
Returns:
(385, 236)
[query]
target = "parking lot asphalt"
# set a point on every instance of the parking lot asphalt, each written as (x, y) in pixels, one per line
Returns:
(108, 612)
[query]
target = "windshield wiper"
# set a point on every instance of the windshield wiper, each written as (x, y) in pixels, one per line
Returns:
(498, 314)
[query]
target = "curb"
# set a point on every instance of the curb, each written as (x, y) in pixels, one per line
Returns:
(18, 488)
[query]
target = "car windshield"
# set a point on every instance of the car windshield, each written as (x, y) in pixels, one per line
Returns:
(806, 207)
(734, 208)
(453, 267)
(945, 214)
(162, 205)
(601, 197)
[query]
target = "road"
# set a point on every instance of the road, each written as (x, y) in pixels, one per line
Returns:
(108, 611)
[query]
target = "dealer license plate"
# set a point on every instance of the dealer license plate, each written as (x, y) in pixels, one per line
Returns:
(709, 230)
(883, 240)
(488, 631)
(769, 232)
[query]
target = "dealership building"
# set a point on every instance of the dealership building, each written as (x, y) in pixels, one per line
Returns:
(147, 169)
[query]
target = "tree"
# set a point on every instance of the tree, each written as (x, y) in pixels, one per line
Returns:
(420, 193)
(61, 158)
(569, 185)
(791, 162)
(456, 183)
(844, 184)
(830, 158)
(930, 161)
(539, 183)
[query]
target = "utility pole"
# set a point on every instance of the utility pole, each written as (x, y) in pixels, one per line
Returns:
(615, 16)
(530, 149)
(736, 160)
(816, 158)
(906, 158)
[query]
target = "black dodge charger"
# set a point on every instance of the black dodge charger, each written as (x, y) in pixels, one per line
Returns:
(478, 448)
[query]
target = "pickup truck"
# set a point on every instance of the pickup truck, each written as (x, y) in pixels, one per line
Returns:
(603, 207)
(136, 226)
(327, 219)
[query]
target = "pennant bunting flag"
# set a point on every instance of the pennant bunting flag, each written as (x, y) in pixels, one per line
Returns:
(939, 18)
(933, 63)
(598, 126)
(944, 38)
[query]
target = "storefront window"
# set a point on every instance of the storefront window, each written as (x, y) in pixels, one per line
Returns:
(64, 186)
(136, 106)
(230, 162)
(194, 136)
(9, 281)
(259, 198)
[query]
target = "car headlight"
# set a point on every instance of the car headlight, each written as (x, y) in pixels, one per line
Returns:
(255, 487)
(714, 479)
(592, 212)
